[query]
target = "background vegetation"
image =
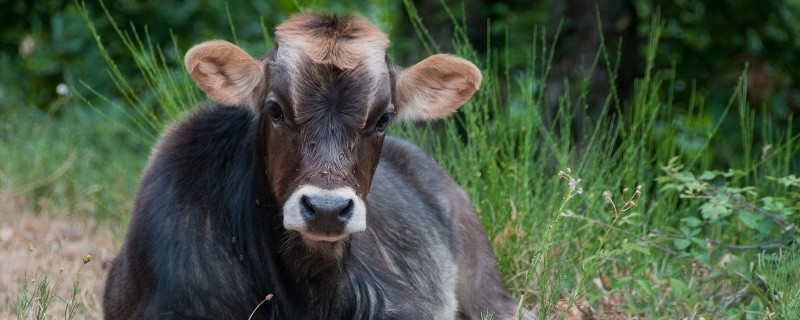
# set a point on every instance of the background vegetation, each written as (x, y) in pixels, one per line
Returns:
(635, 157)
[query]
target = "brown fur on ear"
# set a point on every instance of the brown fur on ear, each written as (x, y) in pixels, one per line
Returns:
(225, 72)
(435, 87)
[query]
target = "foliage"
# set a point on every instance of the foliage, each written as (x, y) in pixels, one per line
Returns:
(736, 210)
(727, 215)
(47, 52)
(713, 40)
(711, 43)
(45, 43)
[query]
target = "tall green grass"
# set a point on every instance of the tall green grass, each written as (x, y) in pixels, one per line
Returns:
(576, 219)
(78, 163)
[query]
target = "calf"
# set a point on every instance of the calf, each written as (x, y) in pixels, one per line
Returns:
(288, 188)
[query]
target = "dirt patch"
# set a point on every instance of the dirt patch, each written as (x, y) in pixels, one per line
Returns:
(60, 244)
(609, 309)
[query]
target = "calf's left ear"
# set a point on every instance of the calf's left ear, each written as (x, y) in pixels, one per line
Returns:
(435, 87)
(228, 74)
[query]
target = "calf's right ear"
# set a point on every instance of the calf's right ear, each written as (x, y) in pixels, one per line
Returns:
(435, 87)
(226, 73)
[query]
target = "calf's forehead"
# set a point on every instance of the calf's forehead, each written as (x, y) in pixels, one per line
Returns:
(325, 92)
(341, 41)
(331, 60)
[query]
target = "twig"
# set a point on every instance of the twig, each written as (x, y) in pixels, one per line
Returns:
(267, 298)
(760, 246)
(743, 293)
(780, 221)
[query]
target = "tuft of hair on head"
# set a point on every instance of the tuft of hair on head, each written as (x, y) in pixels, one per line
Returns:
(342, 41)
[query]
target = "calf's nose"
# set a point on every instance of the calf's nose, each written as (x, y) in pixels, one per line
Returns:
(315, 210)
(326, 209)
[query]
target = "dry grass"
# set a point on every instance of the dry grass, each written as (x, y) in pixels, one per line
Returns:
(60, 243)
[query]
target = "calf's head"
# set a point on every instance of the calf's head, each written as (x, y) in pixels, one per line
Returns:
(324, 97)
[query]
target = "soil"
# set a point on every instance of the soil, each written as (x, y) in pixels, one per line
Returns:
(59, 244)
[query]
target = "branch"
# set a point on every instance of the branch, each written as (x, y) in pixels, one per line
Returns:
(780, 221)
(760, 246)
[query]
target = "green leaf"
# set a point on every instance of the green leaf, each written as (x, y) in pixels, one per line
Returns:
(755, 309)
(686, 177)
(702, 257)
(778, 204)
(765, 227)
(672, 186)
(715, 210)
(690, 232)
(708, 175)
(678, 287)
(731, 173)
(618, 283)
(630, 219)
(736, 265)
(699, 241)
(753, 191)
(682, 244)
(636, 247)
(692, 221)
(645, 286)
(790, 180)
(750, 219)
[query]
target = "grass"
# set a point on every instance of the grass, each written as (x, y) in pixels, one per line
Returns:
(606, 219)
(37, 292)
(77, 164)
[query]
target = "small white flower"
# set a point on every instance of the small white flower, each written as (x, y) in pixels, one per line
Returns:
(26, 46)
(62, 89)
(607, 196)
(573, 184)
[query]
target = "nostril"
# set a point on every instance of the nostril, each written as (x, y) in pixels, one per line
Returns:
(308, 208)
(347, 212)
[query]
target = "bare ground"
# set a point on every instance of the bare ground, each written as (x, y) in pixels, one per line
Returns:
(60, 244)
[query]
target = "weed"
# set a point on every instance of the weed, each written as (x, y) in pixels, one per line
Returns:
(37, 291)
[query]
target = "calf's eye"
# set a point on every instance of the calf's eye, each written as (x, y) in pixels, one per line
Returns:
(275, 112)
(383, 122)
